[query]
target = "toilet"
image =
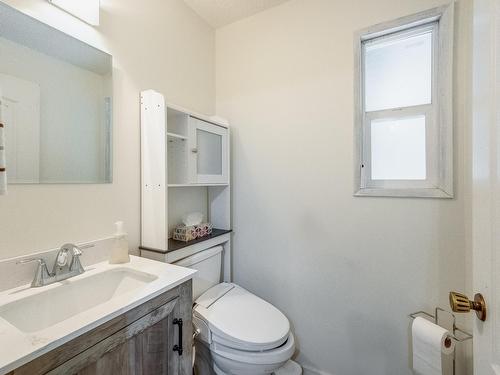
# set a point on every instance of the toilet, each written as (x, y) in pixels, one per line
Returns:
(242, 334)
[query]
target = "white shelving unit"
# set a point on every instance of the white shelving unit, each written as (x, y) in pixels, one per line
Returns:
(184, 168)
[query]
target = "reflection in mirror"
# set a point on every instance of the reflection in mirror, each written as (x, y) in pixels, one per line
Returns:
(56, 104)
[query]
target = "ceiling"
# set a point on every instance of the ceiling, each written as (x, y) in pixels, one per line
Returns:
(219, 13)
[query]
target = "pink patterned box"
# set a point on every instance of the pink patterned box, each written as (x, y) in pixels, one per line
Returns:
(184, 233)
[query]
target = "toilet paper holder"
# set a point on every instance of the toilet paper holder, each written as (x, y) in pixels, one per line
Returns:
(458, 334)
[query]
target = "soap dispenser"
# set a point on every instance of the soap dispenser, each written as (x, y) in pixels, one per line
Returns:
(119, 250)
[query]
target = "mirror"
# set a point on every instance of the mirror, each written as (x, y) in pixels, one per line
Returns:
(56, 104)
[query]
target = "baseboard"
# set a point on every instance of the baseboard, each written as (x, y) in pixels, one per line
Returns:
(306, 370)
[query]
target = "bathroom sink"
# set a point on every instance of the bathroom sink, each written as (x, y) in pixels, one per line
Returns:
(71, 297)
(34, 321)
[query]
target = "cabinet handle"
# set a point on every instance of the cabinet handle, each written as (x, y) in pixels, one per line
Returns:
(178, 348)
(194, 150)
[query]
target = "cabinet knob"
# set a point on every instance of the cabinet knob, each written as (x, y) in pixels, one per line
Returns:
(194, 150)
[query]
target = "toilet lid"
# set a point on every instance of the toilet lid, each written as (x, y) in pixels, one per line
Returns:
(242, 320)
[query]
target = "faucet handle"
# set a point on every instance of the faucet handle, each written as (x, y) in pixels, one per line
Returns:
(41, 274)
(62, 256)
(87, 246)
(40, 261)
(76, 265)
(77, 252)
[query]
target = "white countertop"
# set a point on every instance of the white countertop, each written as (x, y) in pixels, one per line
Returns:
(18, 348)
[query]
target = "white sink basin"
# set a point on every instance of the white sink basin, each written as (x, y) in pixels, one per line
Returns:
(71, 297)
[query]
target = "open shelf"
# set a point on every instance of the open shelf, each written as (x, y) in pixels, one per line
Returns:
(177, 122)
(174, 136)
(176, 245)
(177, 158)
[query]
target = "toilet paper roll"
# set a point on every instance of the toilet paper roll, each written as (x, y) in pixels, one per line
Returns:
(430, 343)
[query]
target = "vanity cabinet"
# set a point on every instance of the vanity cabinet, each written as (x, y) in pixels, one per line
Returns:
(145, 341)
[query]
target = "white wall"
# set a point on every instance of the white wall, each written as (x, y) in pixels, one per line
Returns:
(160, 44)
(347, 271)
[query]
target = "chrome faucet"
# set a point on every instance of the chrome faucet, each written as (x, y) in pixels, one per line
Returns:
(62, 269)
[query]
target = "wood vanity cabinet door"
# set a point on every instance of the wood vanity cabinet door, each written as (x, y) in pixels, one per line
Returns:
(145, 347)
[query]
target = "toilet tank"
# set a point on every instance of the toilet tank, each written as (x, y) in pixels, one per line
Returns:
(208, 263)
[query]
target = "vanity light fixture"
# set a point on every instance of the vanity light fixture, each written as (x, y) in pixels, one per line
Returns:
(85, 10)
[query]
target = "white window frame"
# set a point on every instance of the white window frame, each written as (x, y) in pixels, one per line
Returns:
(439, 114)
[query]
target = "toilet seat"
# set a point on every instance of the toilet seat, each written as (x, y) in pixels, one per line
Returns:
(238, 319)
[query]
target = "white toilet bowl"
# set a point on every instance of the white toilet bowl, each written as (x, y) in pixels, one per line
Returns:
(241, 333)
(245, 334)
(233, 361)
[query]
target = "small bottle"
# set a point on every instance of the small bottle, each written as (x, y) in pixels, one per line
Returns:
(119, 250)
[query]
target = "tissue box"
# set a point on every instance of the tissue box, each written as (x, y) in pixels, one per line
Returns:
(189, 233)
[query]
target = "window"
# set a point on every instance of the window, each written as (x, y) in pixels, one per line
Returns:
(403, 104)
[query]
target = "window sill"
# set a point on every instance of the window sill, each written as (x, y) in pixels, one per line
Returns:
(403, 193)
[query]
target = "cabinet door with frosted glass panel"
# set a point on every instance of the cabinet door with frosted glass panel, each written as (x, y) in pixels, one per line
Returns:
(208, 153)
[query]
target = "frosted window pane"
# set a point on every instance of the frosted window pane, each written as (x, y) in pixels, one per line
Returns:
(209, 153)
(398, 149)
(398, 73)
